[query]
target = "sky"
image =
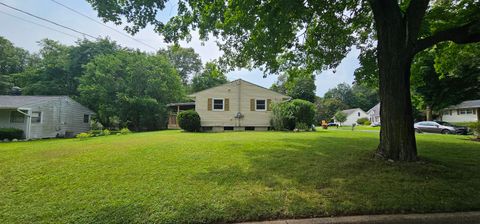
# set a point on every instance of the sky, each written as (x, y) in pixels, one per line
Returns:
(26, 35)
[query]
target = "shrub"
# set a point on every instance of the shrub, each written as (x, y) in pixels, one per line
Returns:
(106, 132)
(11, 133)
(302, 126)
(83, 135)
(340, 117)
(125, 131)
(288, 115)
(362, 120)
(367, 123)
(189, 120)
(476, 129)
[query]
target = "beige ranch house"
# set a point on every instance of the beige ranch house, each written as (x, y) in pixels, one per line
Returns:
(238, 105)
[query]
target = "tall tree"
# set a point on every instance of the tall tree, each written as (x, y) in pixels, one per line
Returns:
(319, 34)
(436, 85)
(210, 77)
(185, 60)
(12, 60)
(297, 83)
(131, 86)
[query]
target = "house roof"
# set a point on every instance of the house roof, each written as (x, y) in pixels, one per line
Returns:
(350, 111)
(181, 104)
(466, 104)
(375, 109)
(240, 80)
(14, 102)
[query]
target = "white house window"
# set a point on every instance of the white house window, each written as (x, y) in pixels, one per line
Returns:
(86, 118)
(358, 113)
(465, 111)
(17, 117)
(447, 112)
(36, 117)
(260, 105)
(218, 104)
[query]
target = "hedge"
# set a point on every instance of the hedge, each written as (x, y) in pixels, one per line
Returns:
(11, 133)
(189, 120)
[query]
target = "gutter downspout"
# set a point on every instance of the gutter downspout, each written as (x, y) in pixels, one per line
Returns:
(29, 121)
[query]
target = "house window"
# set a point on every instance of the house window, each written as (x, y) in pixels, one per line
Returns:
(86, 118)
(465, 111)
(218, 104)
(447, 112)
(260, 105)
(17, 117)
(36, 117)
(358, 113)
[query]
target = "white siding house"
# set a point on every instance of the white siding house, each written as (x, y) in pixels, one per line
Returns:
(238, 105)
(44, 116)
(352, 116)
(374, 114)
(466, 111)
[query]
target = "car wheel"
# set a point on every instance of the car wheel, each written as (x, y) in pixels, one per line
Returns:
(446, 132)
(417, 130)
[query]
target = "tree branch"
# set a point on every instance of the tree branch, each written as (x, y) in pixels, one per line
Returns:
(413, 18)
(461, 35)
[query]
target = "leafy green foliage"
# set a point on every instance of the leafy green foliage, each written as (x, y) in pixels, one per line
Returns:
(210, 77)
(362, 121)
(12, 60)
(11, 133)
(476, 129)
(189, 120)
(185, 60)
(340, 117)
(287, 115)
(296, 83)
(83, 135)
(125, 131)
(131, 86)
(446, 75)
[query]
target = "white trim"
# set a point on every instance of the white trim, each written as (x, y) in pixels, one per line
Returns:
(256, 104)
(213, 104)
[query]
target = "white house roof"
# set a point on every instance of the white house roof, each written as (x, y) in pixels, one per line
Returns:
(466, 104)
(375, 109)
(350, 111)
(14, 102)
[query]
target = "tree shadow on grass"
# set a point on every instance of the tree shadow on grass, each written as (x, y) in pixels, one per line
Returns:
(318, 177)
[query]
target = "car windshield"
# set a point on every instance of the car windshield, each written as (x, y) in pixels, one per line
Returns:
(444, 123)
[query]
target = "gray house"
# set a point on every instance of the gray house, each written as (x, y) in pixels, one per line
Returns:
(44, 116)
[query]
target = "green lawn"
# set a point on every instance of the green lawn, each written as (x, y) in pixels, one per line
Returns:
(170, 176)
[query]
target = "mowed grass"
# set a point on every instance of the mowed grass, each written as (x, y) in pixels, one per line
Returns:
(172, 177)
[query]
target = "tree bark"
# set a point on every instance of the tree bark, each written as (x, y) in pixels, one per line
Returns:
(428, 113)
(394, 48)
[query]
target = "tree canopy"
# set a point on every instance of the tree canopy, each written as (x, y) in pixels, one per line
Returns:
(296, 83)
(210, 77)
(185, 60)
(12, 60)
(130, 86)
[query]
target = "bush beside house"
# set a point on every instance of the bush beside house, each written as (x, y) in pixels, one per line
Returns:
(293, 114)
(189, 121)
(362, 120)
(11, 133)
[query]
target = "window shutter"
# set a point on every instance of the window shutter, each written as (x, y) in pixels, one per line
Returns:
(252, 104)
(227, 104)
(209, 106)
(269, 104)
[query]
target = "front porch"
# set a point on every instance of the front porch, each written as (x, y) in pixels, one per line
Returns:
(174, 109)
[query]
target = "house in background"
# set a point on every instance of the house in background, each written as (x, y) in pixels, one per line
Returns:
(466, 111)
(44, 116)
(352, 116)
(374, 114)
(238, 105)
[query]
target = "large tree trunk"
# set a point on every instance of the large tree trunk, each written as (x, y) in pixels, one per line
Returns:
(428, 113)
(394, 55)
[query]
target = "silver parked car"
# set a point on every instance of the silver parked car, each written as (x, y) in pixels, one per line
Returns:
(439, 127)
